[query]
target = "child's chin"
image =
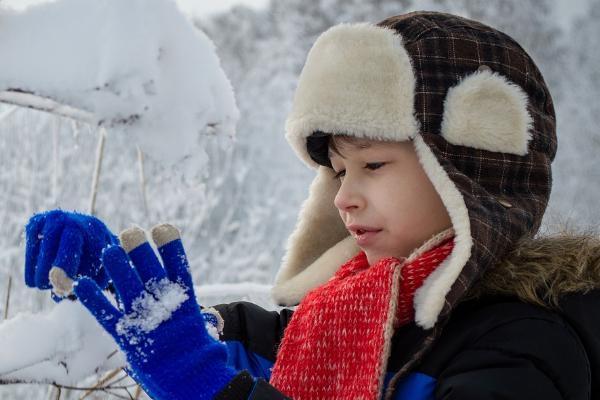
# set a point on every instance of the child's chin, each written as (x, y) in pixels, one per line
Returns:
(374, 258)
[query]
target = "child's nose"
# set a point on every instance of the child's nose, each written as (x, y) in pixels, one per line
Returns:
(348, 197)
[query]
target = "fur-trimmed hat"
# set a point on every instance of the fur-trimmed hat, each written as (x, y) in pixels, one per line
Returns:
(481, 119)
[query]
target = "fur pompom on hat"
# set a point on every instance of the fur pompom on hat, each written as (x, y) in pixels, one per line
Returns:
(482, 122)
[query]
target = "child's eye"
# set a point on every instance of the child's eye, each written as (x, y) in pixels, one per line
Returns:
(375, 165)
(340, 174)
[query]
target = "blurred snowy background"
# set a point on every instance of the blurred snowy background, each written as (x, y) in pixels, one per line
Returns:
(237, 212)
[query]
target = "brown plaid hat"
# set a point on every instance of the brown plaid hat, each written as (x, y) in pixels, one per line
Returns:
(481, 119)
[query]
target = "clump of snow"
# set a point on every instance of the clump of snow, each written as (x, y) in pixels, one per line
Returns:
(62, 346)
(151, 309)
(212, 330)
(138, 66)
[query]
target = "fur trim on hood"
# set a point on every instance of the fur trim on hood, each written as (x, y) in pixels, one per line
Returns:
(542, 270)
(479, 115)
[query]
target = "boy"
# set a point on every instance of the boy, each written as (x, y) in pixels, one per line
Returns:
(412, 262)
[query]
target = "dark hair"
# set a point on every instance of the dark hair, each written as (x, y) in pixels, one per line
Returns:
(320, 145)
(317, 146)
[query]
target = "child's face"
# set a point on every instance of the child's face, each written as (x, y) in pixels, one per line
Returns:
(386, 200)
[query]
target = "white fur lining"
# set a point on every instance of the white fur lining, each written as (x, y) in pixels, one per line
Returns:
(291, 291)
(430, 297)
(319, 228)
(431, 243)
(486, 111)
(357, 80)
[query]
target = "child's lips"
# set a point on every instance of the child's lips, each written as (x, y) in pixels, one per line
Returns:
(364, 235)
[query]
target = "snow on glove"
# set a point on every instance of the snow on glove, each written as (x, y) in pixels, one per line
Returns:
(68, 240)
(159, 325)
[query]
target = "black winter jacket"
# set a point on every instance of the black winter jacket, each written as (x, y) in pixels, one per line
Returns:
(528, 329)
(492, 348)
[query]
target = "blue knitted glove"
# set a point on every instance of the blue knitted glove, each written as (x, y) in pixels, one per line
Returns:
(159, 325)
(68, 240)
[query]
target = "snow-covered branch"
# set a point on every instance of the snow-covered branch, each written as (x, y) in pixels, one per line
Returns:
(30, 100)
(139, 67)
(66, 344)
(63, 346)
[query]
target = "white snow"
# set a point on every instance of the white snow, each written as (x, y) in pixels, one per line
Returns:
(212, 330)
(139, 66)
(191, 7)
(66, 344)
(151, 309)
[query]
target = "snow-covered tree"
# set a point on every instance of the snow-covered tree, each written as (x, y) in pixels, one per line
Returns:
(577, 169)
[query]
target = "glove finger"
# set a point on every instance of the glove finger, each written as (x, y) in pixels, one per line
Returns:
(125, 279)
(97, 231)
(91, 261)
(51, 234)
(139, 250)
(102, 278)
(33, 232)
(68, 256)
(168, 240)
(91, 296)
(96, 238)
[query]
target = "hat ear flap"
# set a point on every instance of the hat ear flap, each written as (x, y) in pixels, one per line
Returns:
(486, 111)
(290, 292)
(319, 227)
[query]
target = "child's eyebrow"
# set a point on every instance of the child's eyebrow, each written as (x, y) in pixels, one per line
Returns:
(360, 145)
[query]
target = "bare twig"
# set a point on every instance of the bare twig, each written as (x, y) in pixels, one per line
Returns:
(125, 376)
(101, 388)
(129, 394)
(19, 368)
(7, 301)
(8, 113)
(114, 352)
(142, 179)
(100, 382)
(30, 100)
(55, 163)
(23, 98)
(118, 396)
(97, 169)
(54, 392)
(110, 386)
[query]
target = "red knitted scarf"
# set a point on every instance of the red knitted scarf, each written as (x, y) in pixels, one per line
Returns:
(337, 344)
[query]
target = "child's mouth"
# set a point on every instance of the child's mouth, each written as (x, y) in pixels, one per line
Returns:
(364, 237)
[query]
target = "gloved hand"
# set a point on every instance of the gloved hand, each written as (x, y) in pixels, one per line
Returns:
(159, 325)
(68, 240)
